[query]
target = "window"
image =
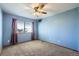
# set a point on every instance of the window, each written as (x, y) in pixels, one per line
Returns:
(28, 27)
(20, 27)
(24, 27)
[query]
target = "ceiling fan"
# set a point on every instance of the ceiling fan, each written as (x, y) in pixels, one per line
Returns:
(38, 8)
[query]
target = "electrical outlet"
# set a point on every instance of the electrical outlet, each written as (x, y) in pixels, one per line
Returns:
(8, 40)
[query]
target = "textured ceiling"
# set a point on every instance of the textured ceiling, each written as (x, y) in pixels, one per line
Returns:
(26, 10)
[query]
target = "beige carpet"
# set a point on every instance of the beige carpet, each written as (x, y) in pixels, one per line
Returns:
(37, 48)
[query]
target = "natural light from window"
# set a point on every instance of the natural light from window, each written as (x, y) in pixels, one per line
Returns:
(24, 27)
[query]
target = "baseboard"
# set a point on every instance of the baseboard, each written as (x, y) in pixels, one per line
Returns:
(16, 43)
(62, 46)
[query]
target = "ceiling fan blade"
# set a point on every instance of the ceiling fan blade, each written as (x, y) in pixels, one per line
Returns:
(44, 12)
(41, 6)
(28, 6)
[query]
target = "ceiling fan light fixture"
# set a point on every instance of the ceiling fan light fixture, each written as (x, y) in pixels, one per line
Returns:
(38, 14)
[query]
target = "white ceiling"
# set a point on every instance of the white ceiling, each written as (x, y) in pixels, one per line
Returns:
(26, 10)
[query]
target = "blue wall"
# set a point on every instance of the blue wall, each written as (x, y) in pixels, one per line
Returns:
(78, 29)
(7, 29)
(60, 29)
(0, 30)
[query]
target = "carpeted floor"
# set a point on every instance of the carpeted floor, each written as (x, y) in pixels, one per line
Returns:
(37, 48)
